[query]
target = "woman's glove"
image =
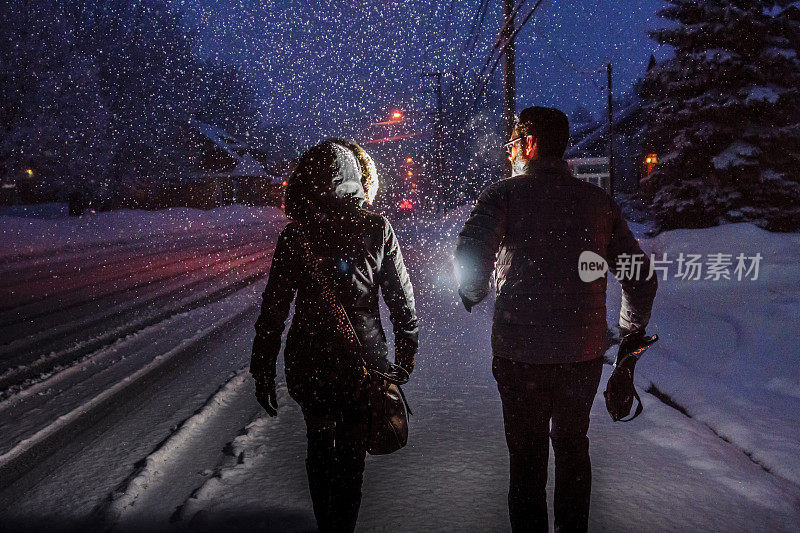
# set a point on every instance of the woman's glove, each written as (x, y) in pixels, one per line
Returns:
(404, 355)
(266, 395)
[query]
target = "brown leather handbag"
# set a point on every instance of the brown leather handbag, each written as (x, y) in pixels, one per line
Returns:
(388, 429)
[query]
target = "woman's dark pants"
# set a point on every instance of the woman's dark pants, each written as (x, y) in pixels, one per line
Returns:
(532, 396)
(335, 467)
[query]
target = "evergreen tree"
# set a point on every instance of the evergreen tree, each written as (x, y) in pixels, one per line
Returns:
(724, 115)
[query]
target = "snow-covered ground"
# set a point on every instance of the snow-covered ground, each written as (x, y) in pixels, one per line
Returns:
(29, 235)
(185, 445)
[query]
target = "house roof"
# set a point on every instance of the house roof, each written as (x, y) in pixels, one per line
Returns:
(244, 162)
(588, 142)
(219, 137)
(247, 166)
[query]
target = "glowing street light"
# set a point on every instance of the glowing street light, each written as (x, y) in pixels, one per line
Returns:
(394, 118)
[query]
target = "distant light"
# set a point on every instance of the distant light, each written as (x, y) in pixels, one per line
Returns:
(29, 172)
(397, 115)
(410, 173)
(284, 183)
(651, 158)
(409, 160)
(405, 204)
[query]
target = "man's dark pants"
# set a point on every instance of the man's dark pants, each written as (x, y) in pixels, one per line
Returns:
(532, 396)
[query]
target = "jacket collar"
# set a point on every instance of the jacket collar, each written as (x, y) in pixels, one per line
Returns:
(551, 166)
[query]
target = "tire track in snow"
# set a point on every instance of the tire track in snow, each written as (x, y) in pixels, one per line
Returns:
(127, 306)
(151, 471)
(26, 453)
(119, 352)
(49, 378)
(79, 290)
(54, 264)
(30, 365)
(146, 239)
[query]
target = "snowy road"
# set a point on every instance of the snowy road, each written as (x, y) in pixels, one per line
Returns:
(158, 426)
(99, 334)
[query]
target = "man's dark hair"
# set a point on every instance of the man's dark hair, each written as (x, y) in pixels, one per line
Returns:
(549, 127)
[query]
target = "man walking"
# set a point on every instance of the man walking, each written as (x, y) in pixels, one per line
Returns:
(549, 329)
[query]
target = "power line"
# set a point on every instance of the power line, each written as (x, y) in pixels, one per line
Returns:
(500, 54)
(587, 73)
(472, 39)
(499, 39)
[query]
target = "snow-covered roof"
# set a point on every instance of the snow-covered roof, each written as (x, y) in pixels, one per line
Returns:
(602, 129)
(247, 166)
(218, 136)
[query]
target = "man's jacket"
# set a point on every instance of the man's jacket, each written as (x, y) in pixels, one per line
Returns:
(530, 230)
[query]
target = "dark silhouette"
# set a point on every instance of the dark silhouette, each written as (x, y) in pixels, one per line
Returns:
(359, 251)
(549, 331)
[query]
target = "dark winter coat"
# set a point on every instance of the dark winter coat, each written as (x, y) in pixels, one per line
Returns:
(534, 227)
(359, 251)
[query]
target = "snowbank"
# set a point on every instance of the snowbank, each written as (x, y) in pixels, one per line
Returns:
(728, 352)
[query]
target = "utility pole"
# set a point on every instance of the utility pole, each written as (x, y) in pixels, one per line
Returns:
(438, 183)
(509, 80)
(611, 175)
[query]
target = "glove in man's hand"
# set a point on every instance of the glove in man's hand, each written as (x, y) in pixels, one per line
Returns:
(266, 395)
(468, 304)
(624, 332)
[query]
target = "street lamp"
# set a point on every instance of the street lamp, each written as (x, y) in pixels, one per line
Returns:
(394, 118)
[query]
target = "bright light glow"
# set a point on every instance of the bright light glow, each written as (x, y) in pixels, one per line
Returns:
(397, 115)
(405, 204)
(29, 172)
(284, 183)
(409, 160)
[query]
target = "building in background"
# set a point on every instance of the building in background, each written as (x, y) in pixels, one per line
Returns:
(224, 170)
(630, 157)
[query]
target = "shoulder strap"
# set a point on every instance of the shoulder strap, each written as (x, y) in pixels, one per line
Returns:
(327, 294)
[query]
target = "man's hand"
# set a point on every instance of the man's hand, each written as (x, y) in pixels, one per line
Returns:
(266, 395)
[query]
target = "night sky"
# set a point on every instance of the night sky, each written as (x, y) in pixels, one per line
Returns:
(332, 65)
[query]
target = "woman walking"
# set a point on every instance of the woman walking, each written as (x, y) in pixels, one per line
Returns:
(358, 252)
